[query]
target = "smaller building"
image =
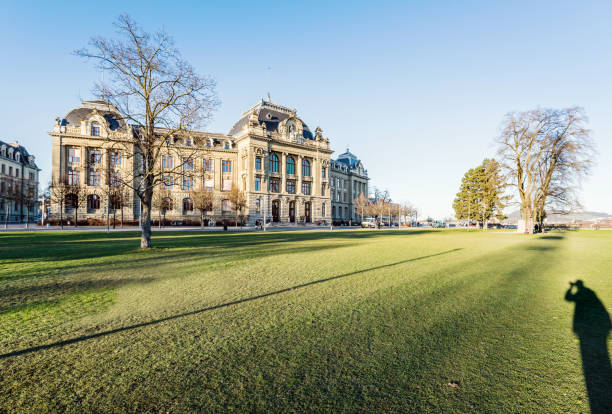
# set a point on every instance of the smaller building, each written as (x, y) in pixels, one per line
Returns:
(348, 180)
(18, 184)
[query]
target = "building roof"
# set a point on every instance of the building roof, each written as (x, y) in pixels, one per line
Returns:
(105, 109)
(25, 159)
(272, 115)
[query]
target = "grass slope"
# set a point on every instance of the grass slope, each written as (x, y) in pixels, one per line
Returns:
(295, 321)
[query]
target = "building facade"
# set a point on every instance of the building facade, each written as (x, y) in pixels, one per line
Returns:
(348, 180)
(18, 184)
(270, 154)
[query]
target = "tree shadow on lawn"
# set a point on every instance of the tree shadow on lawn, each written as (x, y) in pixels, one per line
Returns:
(72, 246)
(215, 307)
(592, 326)
(25, 290)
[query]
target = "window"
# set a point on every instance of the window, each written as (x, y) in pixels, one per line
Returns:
(115, 179)
(71, 201)
(209, 165)
(322, 172)
(95, 129)
(227, 185)
(333, 211)
(17, 172)
(10, 170)
(257, 205)
(73, 177)
(290, 166)
(95, 178)
(345, 197)
(274, 185)
(208, 144)
(167, 162)
(168, 181)
(93, 202)
(187, 205)
(305, 168)
(32, 176)
(323, 209)
(258, 163)
(95, 156)
(3, 169)
(167, 204)
(226, 166)
(187, 183)
(257, 183)
(274, 163)
(226, 206)
(291, 187)
(227, 145)
(306, 188)
(322, 189)
(209, 184)
(187, 164)
(346, 214)
(74, 155)
(115, 158)
(188, 142)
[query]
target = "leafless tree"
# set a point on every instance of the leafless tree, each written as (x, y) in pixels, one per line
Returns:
(26, 196)
(545, 154)
(361, 203)
(119, 199)
(203, 200)
(8, 194)
(162, 201)
(160, 96)
(58, 190)
(238, 200)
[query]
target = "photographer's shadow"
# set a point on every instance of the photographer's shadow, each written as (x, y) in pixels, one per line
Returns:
(592, 326)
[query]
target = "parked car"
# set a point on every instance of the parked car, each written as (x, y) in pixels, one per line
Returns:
(368, 224)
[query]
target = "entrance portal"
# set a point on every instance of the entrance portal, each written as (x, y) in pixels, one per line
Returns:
(276, 211)
(292, 211)
(307, 208)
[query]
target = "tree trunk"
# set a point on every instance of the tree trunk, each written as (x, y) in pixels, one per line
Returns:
(202, 219)
(145, 237)
(6, 216)
(122, 216)
(76, 216)
(62, 215)
(27, 218)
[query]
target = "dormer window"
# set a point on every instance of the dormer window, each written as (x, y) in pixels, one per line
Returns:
(95, 129)
(227, 145)
(188, 142)
(208, 143)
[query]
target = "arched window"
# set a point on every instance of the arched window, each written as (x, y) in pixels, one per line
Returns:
(290, 166)
(93, 202)
(274, 163)
(95, 129)
(305, 168)
(187, 205)
(167, 204)
(71, 201)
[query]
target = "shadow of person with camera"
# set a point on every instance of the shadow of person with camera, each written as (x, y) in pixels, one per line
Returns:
(592, 326)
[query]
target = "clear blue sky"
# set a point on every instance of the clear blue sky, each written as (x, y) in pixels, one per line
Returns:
(417, 89)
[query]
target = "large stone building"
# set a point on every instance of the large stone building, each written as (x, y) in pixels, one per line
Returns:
(270, 154)
(18, 183)
(348, 180)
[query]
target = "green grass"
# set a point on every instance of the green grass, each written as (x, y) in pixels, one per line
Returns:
(295, 321)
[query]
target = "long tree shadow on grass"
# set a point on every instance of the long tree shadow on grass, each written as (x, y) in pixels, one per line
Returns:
(592, 326)
(211, 308)
(72, 246)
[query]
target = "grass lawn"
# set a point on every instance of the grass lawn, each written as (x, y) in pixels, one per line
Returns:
(297, 321)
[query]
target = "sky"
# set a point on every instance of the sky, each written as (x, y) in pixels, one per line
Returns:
(416, 89)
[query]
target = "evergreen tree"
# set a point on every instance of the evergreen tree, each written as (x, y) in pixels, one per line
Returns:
(480, 196)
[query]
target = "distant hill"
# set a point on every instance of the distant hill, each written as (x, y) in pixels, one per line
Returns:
(562, 218)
